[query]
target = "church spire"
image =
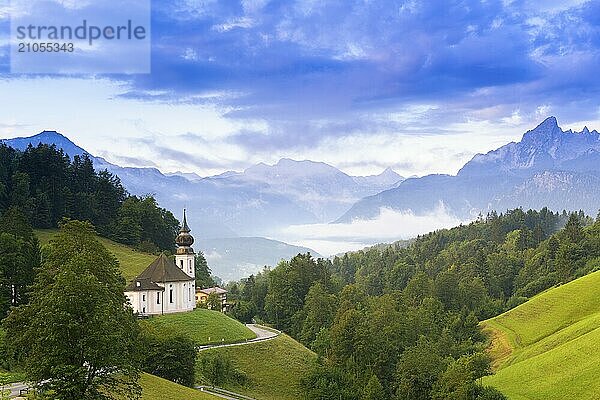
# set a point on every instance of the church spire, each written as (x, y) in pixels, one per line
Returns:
(184, 240)
(185, 228)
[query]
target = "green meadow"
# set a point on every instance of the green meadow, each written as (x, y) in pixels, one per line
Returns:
(549, 347)
(202, 326)
(154, 388)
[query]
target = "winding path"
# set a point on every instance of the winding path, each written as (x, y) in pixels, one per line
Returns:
(222, 393)
(261, 333)
(15, 389)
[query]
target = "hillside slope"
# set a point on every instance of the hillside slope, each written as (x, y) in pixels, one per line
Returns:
(154, 388)
(131, 262)
(274, 367)
(549, 347)
(202, 326)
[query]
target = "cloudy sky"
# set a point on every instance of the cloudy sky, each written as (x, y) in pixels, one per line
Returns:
(361, 84)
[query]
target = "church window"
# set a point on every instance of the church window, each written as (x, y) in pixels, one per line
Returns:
(143, 297)
(157, 297)
(170, 295)
(181, 263)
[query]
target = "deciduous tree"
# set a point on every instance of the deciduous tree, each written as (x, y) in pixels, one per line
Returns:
(77, 337)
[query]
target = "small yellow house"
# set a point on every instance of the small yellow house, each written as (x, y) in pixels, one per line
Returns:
(202, 295)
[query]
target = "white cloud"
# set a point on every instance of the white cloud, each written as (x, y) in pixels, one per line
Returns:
(190, 54)
(243, 22)
(212, 255)
(389, 226)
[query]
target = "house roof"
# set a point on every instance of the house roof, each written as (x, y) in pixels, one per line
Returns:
(215, 289)
(138, 285)
(164, 270)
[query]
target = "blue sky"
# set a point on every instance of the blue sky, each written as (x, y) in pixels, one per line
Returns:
(417, 85)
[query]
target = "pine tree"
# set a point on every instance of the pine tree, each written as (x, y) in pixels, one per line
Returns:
(203, 272)
(19, 259)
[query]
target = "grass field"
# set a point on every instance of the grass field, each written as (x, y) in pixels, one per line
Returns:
(132, 262)
(274, 367)
(202, 326)
(154, 388)
(549, 347)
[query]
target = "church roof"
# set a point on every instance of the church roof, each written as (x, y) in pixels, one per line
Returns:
(164, 270)
(138, 285)
(214, 289)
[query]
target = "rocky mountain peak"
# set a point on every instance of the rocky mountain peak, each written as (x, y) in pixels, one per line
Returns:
(544, 132)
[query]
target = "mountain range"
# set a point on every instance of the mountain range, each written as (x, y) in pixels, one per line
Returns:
(549, 167)
(256, 202)
(245, 205)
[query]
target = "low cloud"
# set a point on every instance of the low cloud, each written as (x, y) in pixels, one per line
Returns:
(389, 226)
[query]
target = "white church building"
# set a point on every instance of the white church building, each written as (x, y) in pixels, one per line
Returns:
(166, 286)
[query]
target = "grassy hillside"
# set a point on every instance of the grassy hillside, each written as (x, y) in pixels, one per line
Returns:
(202, 326)
(549, 347)
(273, 367)
(154, 388)
(132, 262)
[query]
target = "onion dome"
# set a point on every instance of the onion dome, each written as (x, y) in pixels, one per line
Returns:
(184, 239)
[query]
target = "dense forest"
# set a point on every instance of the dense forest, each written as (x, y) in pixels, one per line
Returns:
(48, 186)
(402, 322)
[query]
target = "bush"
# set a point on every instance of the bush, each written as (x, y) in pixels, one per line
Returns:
(515, 301)
(171, 358)
(538, 286)
(217, 370)
(488, 393)
(147, 247)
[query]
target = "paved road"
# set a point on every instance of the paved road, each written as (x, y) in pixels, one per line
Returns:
(262, 334)
(15, 389)
(222, 393)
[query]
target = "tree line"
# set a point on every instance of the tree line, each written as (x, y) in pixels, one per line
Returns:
(401, 322)
(48, 186)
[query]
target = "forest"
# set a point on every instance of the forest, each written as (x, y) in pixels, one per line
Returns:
(402, 322)
(48, 186)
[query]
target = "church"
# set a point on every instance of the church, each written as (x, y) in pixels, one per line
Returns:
(166, 286)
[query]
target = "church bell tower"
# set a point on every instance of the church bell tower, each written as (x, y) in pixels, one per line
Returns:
(185, 258)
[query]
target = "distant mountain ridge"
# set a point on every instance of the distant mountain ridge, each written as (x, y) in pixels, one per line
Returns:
(230, 255)
(256, 202)
(548, 167)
